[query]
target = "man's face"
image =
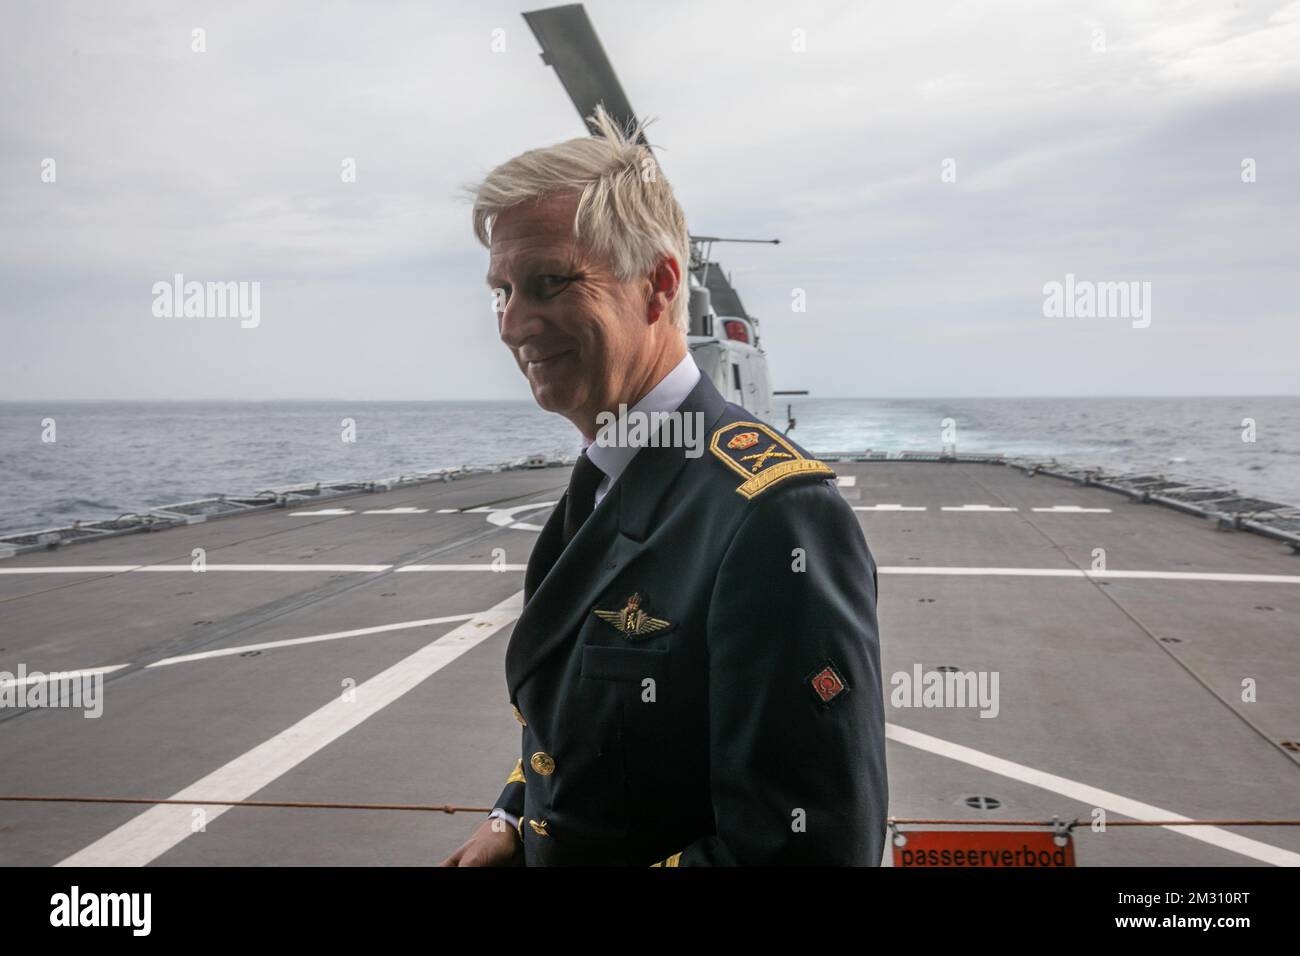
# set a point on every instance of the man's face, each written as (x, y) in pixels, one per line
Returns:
(579, 334)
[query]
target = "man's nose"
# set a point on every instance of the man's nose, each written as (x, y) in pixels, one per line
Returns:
(517, 323)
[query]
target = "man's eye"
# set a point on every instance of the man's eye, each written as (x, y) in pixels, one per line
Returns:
(553, 284)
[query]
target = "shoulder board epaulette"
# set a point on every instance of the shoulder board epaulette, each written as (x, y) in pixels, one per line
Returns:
(762, 457)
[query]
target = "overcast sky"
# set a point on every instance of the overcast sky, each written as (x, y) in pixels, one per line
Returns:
(1104, 140)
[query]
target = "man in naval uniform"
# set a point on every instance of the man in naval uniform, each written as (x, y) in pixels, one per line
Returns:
(696, 668)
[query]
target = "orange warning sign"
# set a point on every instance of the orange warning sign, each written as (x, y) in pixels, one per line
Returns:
(1001, 848)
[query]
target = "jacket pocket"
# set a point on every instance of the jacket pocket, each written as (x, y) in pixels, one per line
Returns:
(623, 663)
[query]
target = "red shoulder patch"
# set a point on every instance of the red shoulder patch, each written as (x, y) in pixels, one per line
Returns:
(827, 684)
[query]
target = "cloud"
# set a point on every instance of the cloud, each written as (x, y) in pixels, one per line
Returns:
(226, 165)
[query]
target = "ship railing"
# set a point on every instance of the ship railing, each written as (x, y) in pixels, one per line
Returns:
(1201, 497)
(873, 455)
(200, 510)
(1230, 509)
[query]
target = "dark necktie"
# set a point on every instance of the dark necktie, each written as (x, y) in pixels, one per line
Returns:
(580, 500)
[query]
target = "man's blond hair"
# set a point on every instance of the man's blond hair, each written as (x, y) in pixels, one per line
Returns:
(627, 213)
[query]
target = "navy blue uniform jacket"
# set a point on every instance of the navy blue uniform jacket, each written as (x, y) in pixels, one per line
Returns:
(725, 707)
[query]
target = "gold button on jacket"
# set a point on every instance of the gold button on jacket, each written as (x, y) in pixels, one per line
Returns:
(543, 763)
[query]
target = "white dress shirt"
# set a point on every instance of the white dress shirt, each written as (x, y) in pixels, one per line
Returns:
(664, 397)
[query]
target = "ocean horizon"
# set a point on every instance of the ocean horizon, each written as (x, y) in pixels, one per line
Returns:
(126, 455)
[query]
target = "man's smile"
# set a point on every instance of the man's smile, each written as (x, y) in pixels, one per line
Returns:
(548, 360)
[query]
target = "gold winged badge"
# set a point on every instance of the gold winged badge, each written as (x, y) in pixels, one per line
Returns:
(632, 621)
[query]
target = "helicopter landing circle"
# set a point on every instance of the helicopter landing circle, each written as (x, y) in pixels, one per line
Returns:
(505, 517)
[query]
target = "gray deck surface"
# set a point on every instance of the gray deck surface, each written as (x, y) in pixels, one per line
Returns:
(1129, 686)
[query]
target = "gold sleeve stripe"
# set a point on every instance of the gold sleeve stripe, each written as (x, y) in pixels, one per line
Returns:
(769, 477)
(673, 860)
(517, 775)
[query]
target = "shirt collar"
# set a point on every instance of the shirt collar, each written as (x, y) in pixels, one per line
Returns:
(664, 397)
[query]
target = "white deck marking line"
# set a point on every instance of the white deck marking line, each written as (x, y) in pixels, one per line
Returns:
(846, 481)
(1198, 576)
(75, 569)
(898, 569)
(1076, 573)
(242, 648)
(507, 517)
(396, 511)
(448, 511)
(314, 638)
(362, 568)
(130, 568)
(1092, 796)
(322, 511)
(981, 509)
(56, 674)
(152, 833)
(462, 567)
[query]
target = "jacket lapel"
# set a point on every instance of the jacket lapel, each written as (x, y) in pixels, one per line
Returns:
(558, 596)
(547, 549)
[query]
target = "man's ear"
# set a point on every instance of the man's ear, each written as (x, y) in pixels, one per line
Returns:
(665, 285)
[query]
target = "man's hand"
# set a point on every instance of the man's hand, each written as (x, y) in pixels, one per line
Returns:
(494, 843)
